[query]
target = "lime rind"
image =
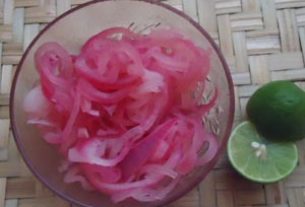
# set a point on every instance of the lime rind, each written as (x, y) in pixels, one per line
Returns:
(281, 159)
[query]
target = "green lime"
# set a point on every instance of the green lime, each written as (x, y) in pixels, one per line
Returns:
(277, 110)
(258, 159)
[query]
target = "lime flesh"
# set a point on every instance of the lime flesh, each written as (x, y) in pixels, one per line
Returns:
(258, 159)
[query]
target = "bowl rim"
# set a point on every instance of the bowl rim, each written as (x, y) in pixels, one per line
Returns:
(170, 9)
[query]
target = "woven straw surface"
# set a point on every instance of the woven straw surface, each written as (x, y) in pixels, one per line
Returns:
(262, 40)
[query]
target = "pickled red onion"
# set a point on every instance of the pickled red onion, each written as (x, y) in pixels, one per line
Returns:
(126, 112)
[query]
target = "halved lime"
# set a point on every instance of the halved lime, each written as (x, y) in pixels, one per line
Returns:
(258, 159)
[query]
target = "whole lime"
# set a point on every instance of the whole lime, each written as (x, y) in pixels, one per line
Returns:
(277, 109)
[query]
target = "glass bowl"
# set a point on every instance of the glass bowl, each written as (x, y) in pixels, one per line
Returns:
(71, 30)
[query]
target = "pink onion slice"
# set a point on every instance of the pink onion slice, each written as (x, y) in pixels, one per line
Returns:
(36, 104)
(73, 176)
(140, 153)
(89, 152)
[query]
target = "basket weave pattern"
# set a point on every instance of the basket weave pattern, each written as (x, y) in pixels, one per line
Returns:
(262, 40)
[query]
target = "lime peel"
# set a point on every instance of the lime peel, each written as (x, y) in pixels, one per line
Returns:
(277, 110)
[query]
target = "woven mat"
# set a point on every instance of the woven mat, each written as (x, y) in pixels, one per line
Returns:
(262, 40)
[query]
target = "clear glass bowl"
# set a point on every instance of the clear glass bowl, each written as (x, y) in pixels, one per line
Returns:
(71, 30)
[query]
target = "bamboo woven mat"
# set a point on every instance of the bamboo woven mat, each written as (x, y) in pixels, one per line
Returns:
(262, 40)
